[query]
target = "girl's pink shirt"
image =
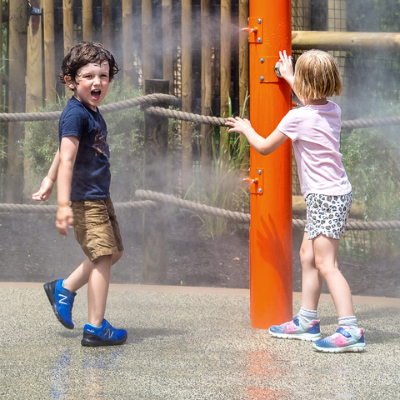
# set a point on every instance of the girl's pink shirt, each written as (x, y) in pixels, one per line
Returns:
(315, 132)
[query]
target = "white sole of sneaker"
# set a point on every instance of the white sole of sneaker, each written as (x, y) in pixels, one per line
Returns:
(355, 348)
(308, 337)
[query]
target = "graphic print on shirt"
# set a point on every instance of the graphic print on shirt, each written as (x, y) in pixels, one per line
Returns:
(100, 144)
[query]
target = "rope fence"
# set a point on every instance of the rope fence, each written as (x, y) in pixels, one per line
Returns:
(146, 101)
(152, 200)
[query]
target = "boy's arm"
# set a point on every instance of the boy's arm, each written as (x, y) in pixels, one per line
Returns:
(68, 150)
(48, 181)
(263, 145)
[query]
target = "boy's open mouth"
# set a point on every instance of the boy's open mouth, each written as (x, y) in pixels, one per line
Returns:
(96, 94)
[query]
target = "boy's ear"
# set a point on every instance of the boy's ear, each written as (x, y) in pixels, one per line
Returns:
(69, 82)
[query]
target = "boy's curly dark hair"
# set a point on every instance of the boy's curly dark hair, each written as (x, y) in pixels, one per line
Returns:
(84, 53)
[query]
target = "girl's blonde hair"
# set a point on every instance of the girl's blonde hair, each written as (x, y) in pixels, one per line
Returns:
(317, 75)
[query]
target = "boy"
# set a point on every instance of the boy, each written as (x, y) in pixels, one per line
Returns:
(82, 169)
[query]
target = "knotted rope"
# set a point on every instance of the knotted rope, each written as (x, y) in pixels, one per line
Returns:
(148, 100)
(152, 199)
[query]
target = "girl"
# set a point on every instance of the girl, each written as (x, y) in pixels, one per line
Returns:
(315, 132)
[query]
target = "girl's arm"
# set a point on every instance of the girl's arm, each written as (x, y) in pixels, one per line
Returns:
(48, 181)
(286, 70)
(263, 145)
(68, 150)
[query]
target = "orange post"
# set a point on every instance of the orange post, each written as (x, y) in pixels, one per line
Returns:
(270, 176)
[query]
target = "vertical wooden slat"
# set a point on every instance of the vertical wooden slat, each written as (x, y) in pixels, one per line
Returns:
(154, 230)
(68, 31)
(244, 72)
(147, 56)
(49, 51)
(127, 39)
(206, 130)
(225, 64)
(106, 23)
(243, 56)
(168, 46)
(186, 92)
(87, 20)
(34, 81)
(18, 23)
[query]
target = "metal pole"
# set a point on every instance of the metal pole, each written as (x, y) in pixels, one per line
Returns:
(271, 190)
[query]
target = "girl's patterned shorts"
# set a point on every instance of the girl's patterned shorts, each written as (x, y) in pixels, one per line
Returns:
(327, 215)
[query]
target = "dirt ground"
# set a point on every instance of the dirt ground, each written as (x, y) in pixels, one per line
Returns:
(31, 250)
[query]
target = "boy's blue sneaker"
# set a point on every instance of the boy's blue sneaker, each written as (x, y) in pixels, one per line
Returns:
(341, 341)
(106, 335)
(62, 300)
(295, 330)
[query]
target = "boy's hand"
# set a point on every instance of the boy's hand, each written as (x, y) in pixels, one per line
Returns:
(65, 219)
(238, 124)
(45, 190)
(286, 67)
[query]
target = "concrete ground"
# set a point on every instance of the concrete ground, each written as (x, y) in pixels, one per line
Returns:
(188, 343)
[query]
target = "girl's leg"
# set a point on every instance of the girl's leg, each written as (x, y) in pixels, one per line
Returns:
(80, 276)
(325, 251)
(311, 279)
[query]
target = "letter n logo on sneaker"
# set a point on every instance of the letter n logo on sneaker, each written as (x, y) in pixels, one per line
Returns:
(109, 333)
(63, 298)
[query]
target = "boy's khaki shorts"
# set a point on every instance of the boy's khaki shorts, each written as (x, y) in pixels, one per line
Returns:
(96, 228)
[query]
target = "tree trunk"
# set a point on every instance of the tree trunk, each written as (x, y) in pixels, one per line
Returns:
(49, 51)
(18, 23)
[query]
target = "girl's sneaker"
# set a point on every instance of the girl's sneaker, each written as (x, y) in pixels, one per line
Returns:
(106, 335)
(295, 330)
(61, 300)
(342, 340)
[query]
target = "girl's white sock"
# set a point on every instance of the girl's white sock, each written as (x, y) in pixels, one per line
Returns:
(307, 316)
(348, 322)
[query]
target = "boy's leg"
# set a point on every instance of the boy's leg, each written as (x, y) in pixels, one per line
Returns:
(80, 277)
(325, 250)
(98, 284)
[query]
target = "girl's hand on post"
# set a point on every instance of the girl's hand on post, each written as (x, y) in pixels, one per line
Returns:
(65, 220)
(286, 67)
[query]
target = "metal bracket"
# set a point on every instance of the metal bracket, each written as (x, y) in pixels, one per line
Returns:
(256, 180)
(266, 70)
(255, 30)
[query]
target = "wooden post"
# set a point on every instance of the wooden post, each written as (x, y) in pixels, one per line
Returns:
(127, 41)
(244, 72)
(18, 23)
(87, 20)
(68, 31)
(34, 80)
(206, 130)
(155, 178)
(168, 59)
(106, 23)
(49, 51)
(225, 76)
(147, 38)
(186, 44)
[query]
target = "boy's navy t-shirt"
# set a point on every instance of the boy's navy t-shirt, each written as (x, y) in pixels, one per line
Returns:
(91, 176)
